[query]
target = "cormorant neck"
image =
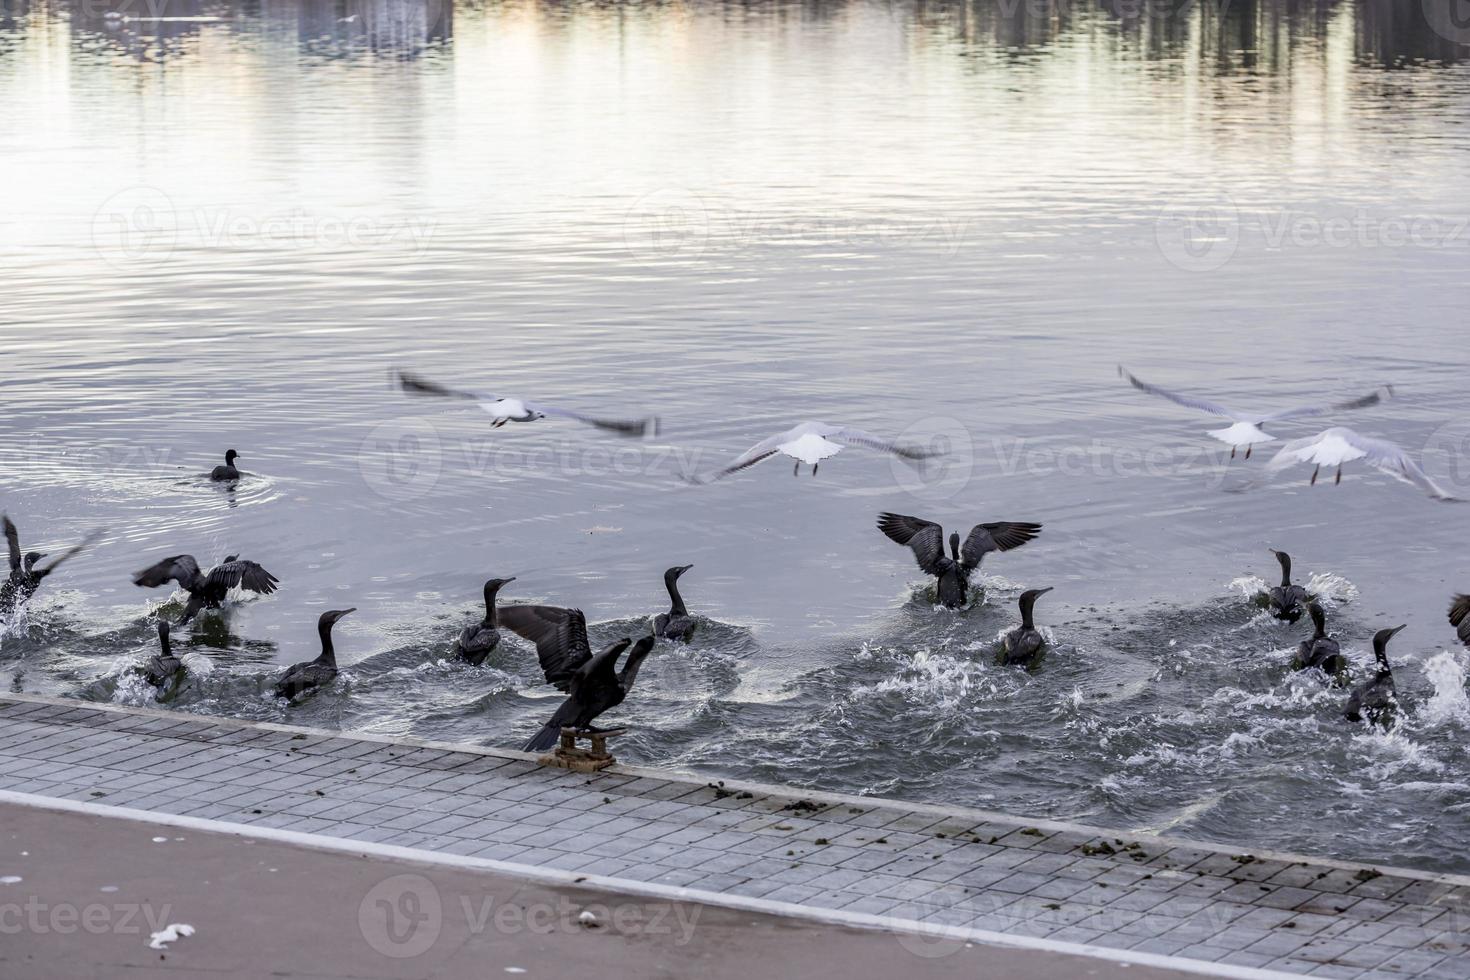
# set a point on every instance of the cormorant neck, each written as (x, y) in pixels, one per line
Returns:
(954, 547)
(329, 655)
(1285, 560)
(1380, 654)
(1028, 603)
(672, 582)
(634, 661)
(491, 618)
(1319, 621)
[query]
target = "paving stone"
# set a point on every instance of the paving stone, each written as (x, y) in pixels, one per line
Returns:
(920, 864)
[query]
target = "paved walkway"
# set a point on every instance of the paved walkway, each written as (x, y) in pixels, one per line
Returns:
(265, 909)
(971, 874)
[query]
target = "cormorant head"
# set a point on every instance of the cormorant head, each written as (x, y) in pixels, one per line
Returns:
(1029, 597)
(1319, 618)
(1028, 600)
(1380, 646)
(332, 615)
(163, 636)
(32, 557)
(230, 456)
(1285, 561)
(672, 575)
(493, 585)
(954, 545)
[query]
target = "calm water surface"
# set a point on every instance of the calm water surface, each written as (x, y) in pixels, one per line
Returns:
(223, 228)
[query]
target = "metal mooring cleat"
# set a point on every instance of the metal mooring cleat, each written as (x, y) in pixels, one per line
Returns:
(568, 756)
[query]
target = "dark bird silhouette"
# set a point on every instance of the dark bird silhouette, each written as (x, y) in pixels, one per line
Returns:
(504, 410)
(306, 677)
(597, 686)
(1320, 650)
(227, 470)
(926, 540)
(476, 641)
(164, 669)
(1376, 699)
(1286, 601)
(1024, 645)
(1460, 617)
(207, 590)
(592, 682)
(676, 624)
(26, 572)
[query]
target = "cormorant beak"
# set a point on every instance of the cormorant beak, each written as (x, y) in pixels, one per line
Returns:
(1395, 631)
(1045, 590)
(684, 568)
(507, 581)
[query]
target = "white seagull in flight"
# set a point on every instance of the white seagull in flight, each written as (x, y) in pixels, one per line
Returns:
(1246, 430)
(505, 410)
(812, 442)
(1336, 446)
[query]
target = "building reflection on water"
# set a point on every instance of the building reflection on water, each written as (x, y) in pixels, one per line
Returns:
(1211, 36)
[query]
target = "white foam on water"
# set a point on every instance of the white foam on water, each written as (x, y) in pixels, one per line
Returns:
(17, 623)
(936, 680)
(1249, 586)
(1448, 705)
(1392, 752)
(132, 687)
(1331, 589)
(197, 665)
(11, 879)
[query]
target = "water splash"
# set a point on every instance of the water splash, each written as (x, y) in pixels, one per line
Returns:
(1332, 589)
(1448, 705)
(1249, 586)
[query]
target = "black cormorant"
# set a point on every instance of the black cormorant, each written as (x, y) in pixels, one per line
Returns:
(164, 669)
(1320, 650)
(676, 624)
(207, 590)
(306, 677)
(1375, 699)
(476, 641)
(1286, 601)
(926, 539)
(26, 575)
(1460, 617)
(1024, 645)
(592, 683)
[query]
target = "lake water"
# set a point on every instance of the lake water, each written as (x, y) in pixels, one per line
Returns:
(225, 223)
